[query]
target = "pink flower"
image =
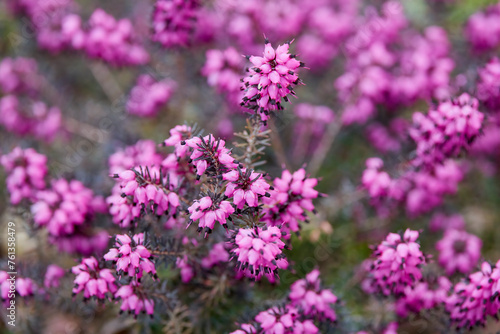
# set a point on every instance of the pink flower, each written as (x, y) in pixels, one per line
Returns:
(148, 96)
(207, 211)
(483, 28)
(245, 186)
(307, 296)
(396, 264)
(26, 172)
(53, 276)
(488, 87)
(210, 156)
(217, 254)
(421, 296)
(291, 197)
(271, 79)
(19, 76)
(284, 320)
(93, 280)
(187, 271)
(131, 257)
(134, 300)
(142, 153)
(458, 251)
(375, 181)
(174, 21)
(259, 252)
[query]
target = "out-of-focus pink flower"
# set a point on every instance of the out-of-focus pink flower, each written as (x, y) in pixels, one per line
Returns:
(488, 87)
(53, 276)
(92, 280)
(458, 251)
(483, 29)
(19, 76)
(187, 271)
(148, 96)
(217, 254)
(133, 301)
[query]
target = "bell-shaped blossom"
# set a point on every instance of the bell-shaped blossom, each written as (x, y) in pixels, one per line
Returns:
(270, 80)
(142, 153)
(131, 256)
(245, 186)
(210, 156)
(93, 280)
(259, 252)
(133, 300)
(422, 296)
(207, 211)
(187, 270)
(284, 320)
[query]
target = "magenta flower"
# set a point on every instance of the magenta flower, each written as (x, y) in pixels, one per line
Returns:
(93, 280)
(459, 251)
(65, 206)
(446, 132)
(210, 156)
(26, 172)
(291, 197)
(440, 221)
(271, 79)
(148, 96)
(483, 28)
(178, 135)
(19, 76)
(53, 276)
(81, 242)
(488, 87)
(209, 211)
(307, 296)
(259, 252)
(131, 257)
(216, 255)
(396, 264)
(421, 296)
(187, 271)
(134, 300)
(375, 181)
(476, 297)
(245, 186)
(142, 153)
(245, 329)
(174, 21)
(284, 320)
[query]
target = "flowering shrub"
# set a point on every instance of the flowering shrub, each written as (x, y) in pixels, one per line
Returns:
(158, 176)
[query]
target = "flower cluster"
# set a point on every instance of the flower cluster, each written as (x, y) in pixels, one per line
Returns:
(133, 300)
(92, 280)
(421, 296)
(131, 257)
(259, 252)
(396, 265)
(10, 286)
(476, 297)
(217, 254)
(207, 211)
(26, 170)
(459, 251)
(284, 320)
(106, 38)
(447, 131)
(306, 295)
(223, 71)
(19, 76)
(270, 80)
(245, 186)
(53, 276)
(148, 96)
(488, 87)
(174, 21)
(210, 156)
(483, 29)
(291, 196)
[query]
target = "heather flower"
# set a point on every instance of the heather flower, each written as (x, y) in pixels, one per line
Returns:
(447, 131)
(81, 242)
(307, 296)
(113, 41)
(223, 71)
(488, 87)
(93, 280)
(483, 29)
(210, 156)
(131, 257)
(35, 118)
(396, 264)
(142, 153)
(53, 276)
(459, 251)
(474, 298)
(207, 211)
(387, 139)
(291, 197)
(24, 287)
(375, 181)
(284, 320)
(440, 221)
(245, 329)
(19, 76)
(174, 21)
(245, 186)
(187, 271)
(26, 172)
(178, 135)
(422, 296)
(148, 96)
(64, 206)
(271, 79)
(217, 254)
(133, 300)
(259, 252)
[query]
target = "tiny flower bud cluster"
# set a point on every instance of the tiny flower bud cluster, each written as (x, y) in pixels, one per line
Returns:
(271, 79)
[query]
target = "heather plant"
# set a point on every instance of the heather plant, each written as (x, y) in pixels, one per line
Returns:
(254, 166)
